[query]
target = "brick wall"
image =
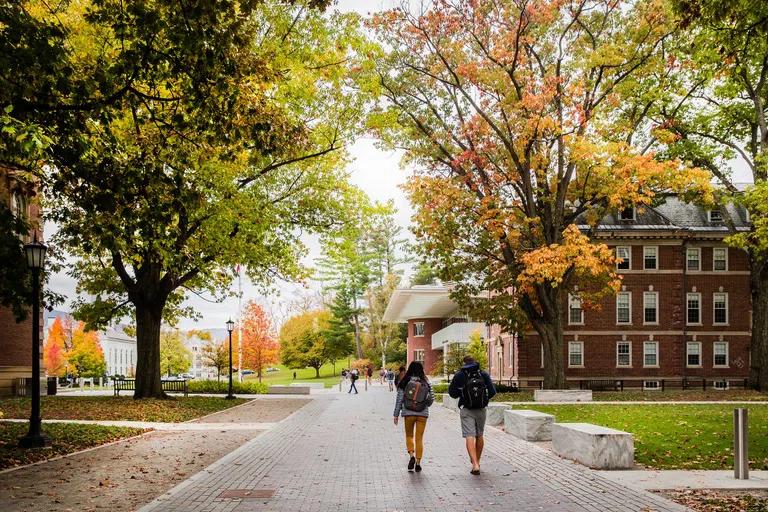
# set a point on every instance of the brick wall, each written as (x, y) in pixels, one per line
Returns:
(601, 332)
(16, 338)
(431, 326)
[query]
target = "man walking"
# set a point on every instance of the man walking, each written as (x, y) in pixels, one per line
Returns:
(474, 388)
(353, 378)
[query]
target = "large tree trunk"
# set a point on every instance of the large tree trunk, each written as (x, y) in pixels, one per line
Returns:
(548, 322)
(758, 283)
(148, 324)
(357, 334)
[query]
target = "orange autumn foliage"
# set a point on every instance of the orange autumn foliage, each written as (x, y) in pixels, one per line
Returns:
(260, 346)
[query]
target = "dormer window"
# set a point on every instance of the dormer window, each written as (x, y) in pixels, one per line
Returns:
(715, 216)
(627, 214)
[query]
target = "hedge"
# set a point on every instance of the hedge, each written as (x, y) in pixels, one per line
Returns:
(213, 386)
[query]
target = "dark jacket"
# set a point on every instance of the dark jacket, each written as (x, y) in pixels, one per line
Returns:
(460, 380)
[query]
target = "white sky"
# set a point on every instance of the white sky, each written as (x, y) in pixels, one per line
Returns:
(376, 172)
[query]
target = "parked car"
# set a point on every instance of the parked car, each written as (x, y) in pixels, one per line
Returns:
(173, 377)
(271, 369)
(248, 372)
(187, 376)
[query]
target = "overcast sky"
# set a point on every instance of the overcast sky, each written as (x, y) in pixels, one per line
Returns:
(376, 172)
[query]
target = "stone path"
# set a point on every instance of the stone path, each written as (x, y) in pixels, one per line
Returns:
(163, 426)
(680, 479)
(342, 452)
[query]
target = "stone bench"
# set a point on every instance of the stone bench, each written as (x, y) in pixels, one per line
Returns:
(529, 425)
(288, 390)
(594, 446)
(495, 414)
(562, 395)
(450, 403)
(310, 385)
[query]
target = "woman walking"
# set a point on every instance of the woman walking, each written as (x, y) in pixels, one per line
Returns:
(414, 396)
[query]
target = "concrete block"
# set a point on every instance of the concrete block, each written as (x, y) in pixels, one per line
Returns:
(562, 395)
(287, 390)
(529, 425)
(594, 446)
(495, 414)
(311, 385)
(450, 403)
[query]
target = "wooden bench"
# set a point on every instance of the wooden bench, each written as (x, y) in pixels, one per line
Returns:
(170, 386)
(594, 446)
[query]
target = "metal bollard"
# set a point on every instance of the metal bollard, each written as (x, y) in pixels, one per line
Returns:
(366, 384)
(340, 381)
(740, 444)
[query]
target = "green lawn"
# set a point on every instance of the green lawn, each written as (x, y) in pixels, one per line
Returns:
(684, 436)
(117, 408)
(67, 438)
(285, 375)
(653, 396)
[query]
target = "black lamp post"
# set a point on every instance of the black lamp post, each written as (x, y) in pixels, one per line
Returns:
(35, 438)
(230, 328)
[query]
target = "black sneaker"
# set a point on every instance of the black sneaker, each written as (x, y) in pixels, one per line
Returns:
(418, 468)
(411, 463)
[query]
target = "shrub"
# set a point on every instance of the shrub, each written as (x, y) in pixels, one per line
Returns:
(440, 388)
(212, 386)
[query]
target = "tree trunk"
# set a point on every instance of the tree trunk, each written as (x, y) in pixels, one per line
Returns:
(758, 283)
(548, 322)
(148, 324)
(317, 372)
(357, 334)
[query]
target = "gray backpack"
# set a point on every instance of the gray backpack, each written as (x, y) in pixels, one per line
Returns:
(415, 395)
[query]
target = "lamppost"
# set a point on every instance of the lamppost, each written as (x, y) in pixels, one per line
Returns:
(230, 328)
(35, 438)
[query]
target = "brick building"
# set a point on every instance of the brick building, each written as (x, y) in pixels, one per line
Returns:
(15, 338)
(683, 309)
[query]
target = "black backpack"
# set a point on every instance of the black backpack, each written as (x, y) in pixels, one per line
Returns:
(415, 395)
(475, 392)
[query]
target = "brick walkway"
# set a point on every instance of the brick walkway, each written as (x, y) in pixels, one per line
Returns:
(342, 452)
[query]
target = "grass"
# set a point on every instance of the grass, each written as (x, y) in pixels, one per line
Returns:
(721, 501)
(653, 396)
(285, 375)
(117, 408)
(684, 436)
(67, 438)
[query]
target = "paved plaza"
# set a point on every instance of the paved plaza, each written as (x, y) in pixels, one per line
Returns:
(342, 452)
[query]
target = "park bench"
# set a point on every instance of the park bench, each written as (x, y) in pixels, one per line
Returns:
(602, 385)
(594, 446)
(529, 425)
(170, 386)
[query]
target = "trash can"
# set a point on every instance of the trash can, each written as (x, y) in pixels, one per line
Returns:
(52, 385)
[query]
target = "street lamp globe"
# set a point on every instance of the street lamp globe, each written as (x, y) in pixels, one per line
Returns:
(230, 325)
(35, 252)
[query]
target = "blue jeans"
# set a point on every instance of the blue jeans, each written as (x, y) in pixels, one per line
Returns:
(351, 387)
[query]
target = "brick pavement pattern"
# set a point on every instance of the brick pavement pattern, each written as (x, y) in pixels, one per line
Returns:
(342, 452)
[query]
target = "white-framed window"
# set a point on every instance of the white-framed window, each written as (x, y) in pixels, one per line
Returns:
(720, 259)
(20, 210)
(624, 253)
(693, 309)
(624, 308)
(418, 355)
(650, 307)
(720, 306)
(650, 385)
(715, 216)
(720, 354)
(650, 258)
(575, 313)
(721, 385)
(693, 258)
(693, 353)
(627, 214)
(575, 353)
(651, 353)
(418, 328)
(624, 353)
